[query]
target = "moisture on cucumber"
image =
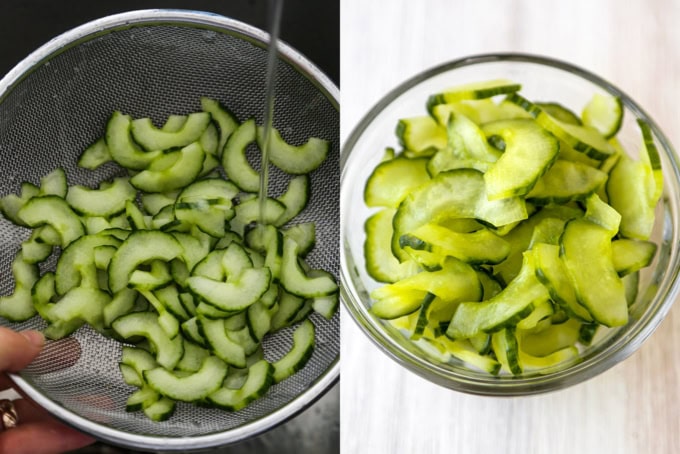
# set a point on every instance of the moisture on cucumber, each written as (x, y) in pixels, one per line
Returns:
(546, 215)
(169, 252)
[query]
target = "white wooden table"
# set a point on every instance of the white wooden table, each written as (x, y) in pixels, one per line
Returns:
(632, 408)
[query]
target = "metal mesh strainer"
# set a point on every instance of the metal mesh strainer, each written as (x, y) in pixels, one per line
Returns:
(156, 63)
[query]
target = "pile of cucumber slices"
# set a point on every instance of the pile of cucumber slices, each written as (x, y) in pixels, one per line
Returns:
(516, 229)
(171, 259)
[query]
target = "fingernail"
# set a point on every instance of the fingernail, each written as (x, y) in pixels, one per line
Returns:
(34, 337)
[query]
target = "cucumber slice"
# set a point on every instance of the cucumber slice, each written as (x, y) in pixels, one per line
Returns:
(122, 147)
(168, 350)
(18, 306)
(140, 247)
(476, 90)
(587, 254)
(566, 181)
(603, 113)
(54, 183)
(478, 247)
(653, 160)
(141, 399)
(529, 153)
(512, 304)
(196, 386)
(234, 159)
(381, 264)
(226, 120)
(95, 155)
(454, 194)
(627, 191)
(12, 203)
(584, 140)
(57, 213)
(393, 180)
(160, 410)
(101, 202)
(152, 138)
(215, 334)
(186, 165)
(304, 235)
(295, 280)
(559, 112)
(260, 378)
(455, 282)
(551, 271)
(630, 256)
(421, 135)
(298, 355)
(294, 199)
(234, 295)
(294, 160)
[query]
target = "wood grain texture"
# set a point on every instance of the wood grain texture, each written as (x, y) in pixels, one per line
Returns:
(632, 408)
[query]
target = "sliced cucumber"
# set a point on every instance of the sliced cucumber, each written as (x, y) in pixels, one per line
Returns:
(168, 350)
(453, 194)
(152, 138)
(294, 199)
(475, 90)
(196, 386)
(587, 253)
(234, 295)
(381, 264)
(566, 181)
(529, 153)
(56, 212)
(512, 304)
(140, 247)
(184, 166)
(604, 113)
(391, 181)
(421, 135)
(122, 147)
(585, 140)
(298, 355)
(260, 378)
(226, 120)
(295, 280)
(106, 202)
(95, 155)
(234, 158)
(295, 160)
(19, 306)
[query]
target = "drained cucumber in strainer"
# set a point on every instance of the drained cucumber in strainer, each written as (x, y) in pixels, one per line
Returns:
(187, 270)
(547, 218)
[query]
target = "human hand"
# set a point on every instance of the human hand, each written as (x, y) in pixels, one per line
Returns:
(37, 432)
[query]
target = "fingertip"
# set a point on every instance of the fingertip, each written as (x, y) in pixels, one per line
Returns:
(35, 338)
(17, 350)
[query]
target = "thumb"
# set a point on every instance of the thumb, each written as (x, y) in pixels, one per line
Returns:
(18, 349)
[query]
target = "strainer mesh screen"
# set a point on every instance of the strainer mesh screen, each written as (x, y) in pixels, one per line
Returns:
(156, 70)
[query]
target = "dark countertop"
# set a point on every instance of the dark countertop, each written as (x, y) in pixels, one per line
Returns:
(311, 27)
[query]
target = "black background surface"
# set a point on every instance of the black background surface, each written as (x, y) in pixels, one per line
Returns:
(310, 26)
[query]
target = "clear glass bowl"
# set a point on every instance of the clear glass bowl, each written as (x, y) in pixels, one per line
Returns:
(542, 79)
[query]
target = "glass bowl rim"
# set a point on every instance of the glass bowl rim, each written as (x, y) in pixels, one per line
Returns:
(478, 384)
